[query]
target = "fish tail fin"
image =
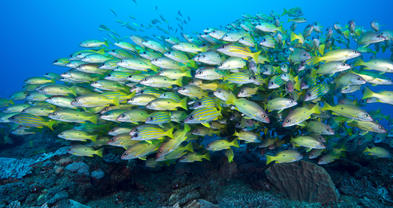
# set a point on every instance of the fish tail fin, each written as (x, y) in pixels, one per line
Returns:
(73, 91)
(106, 43)
(187, 128)
(255, 56)
(269, 159)
(316, 60)
(366, 150)
(315, 109)
(188, 73)
(326, 106)
(359, 62)
(231, 99)
(116, 101)
(154, 68)
(93, 138)
(101, 51)
(367, 93)
(293, 37)
(285, 12)
(192, 64)
(281, 29)
(297, 83)
(99, 152)
(11, 102)
(183, 103)
(179, 82)
(51, 123)
(321, 49)
(235, 143)
(206, 156)
(93, 119)
(169, 133)
(189, 147)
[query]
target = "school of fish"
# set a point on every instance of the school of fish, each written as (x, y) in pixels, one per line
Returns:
(268, 83)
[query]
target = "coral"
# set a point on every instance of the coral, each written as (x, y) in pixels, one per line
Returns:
(359, 188)
(303, 181)
(14, 204)
(183, 195)
(97, 174)
(200, 203)
(78, 167)
(8, 193)
(237, 195)
(75, 204)
(18, 168)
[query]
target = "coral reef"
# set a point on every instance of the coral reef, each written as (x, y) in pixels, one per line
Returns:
(303, 181)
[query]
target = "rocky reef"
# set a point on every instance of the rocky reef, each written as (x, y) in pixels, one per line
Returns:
(60, 180)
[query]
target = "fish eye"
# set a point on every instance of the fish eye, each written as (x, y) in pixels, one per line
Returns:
(191, 117)
(136, 135)
(288, 120)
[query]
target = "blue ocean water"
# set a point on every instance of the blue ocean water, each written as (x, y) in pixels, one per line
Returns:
(34, 34)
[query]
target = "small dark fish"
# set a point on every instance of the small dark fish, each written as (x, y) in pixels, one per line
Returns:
(162, 18)
(156, 7)
(189, 18)
(179, 13)
(114, 13)
(155, 21)
(134, 1)
(103, 27)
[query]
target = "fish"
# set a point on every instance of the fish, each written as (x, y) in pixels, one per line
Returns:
(381, 65)
(74, 116)
(77, 135)
(308, 142)
(336, 55)
(222, 144)
(299, 115)
(285, 156)
(348, 111)
(280, 104)
(29, 120)
(83, 150)
(262, 81)
(377, 152)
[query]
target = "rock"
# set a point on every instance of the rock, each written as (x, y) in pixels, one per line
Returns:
(8, 193)
(57, 197)
(18, 168)
(97, 174)
(303, 181)
(75, 204)
(200, 203)
(78, 167)
(14, 204)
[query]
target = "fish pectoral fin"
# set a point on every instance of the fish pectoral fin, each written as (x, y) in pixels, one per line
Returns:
(301, 124)
(308, 149)
(142, 158)
(363, 133)
(206, 125)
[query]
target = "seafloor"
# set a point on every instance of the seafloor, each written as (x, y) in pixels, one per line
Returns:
(36, 171)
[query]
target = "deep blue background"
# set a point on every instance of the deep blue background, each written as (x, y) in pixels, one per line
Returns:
(34, 33)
